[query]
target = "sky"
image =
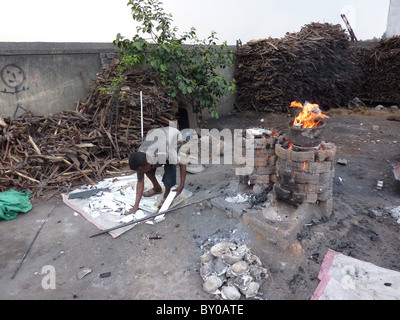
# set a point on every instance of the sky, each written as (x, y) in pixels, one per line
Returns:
(232, 20)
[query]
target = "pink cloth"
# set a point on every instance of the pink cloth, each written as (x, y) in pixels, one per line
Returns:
(323, 275)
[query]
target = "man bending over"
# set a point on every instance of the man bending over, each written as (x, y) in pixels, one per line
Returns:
(160, 149)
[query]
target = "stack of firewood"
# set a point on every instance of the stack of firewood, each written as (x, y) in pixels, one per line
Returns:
(381, 71)
(314, 65)
(56, 152)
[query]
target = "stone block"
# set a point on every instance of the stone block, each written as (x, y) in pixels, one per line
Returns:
(301, 177)
(264, 153)
(232, 210)
(308, 156)
(268, 170)
(312, 198)
(326, 207)
(255, 179)
(218, 203)
(272, 160)
(260, 162)
(260, 143)
(282, 153)
(326, 177)
(319, 167)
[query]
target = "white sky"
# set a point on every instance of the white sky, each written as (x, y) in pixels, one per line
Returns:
(101, 20)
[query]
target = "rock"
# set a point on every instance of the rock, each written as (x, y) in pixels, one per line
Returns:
(356, 103)
(221, 248)
(252, 290)
(105, 275)
(212, 284)
(218, 203)
(237, 269)
(241, 251)
(258, 273)
(230, 258)
(84, 272)
(259, 189)
(206, 257)
(243, 281)
(230, 293)
(220, 267)
(207, 270)
(251, 258)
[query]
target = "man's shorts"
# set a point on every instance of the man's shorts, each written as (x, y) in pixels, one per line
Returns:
(169, 177)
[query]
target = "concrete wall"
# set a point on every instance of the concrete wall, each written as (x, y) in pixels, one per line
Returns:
(45, 77)
(48, 77)
(227, 104)
(393, 25)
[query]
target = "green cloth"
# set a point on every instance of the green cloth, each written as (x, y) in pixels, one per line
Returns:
(14, 202)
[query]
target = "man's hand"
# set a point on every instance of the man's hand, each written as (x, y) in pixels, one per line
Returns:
(178, 190)
(132, 211)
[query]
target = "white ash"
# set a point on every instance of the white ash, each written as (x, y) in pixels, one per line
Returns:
(235, 236)
(395, 212)
(232, 271)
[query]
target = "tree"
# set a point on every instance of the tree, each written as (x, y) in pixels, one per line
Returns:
(186, 66)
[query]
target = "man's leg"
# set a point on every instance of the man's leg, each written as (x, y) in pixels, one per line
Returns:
(156, 186)
(169, 178)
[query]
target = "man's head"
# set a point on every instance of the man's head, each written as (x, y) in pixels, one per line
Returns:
(138, 162)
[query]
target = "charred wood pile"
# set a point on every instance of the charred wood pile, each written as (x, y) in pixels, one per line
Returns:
(315, 64)
(55, 152)
(380, 65)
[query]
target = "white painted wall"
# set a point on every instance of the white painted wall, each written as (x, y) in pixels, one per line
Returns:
(393, 25)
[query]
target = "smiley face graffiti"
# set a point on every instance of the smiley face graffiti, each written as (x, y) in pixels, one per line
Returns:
(13, 77)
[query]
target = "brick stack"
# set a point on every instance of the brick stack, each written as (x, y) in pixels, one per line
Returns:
(264, 163)
(306, 176)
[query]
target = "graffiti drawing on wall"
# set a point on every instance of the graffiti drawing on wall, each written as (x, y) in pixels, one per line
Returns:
(15, 81)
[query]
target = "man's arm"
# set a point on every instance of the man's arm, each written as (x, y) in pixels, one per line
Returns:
(139, 194)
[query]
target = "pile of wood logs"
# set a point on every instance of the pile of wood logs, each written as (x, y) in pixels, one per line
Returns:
(56, 152)
(314, 65)
(380, 65)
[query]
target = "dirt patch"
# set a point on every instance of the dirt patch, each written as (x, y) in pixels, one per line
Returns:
(162, 261)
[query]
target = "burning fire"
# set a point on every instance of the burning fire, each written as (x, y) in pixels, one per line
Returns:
(308, 115)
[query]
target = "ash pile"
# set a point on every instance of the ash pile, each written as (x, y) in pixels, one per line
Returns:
(232, 272)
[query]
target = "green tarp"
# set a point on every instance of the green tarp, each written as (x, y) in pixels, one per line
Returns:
(14, 202)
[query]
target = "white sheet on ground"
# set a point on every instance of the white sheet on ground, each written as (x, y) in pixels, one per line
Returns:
(107, 208)
(346, 278)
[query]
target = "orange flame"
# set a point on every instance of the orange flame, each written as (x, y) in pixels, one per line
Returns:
(308, 115)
